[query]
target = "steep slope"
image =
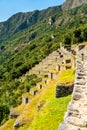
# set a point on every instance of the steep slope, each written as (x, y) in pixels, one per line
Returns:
(40, 31)
(69, 4)
(25, 46)
(20, 21)
(49, 116)
(20, 55)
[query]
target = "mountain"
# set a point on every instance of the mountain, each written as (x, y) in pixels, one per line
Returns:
(69, 4)
(27, 38)
(21, 21)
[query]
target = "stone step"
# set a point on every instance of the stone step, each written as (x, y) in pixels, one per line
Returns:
(77, 121)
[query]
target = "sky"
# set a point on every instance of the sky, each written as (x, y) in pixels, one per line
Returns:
(10, 7)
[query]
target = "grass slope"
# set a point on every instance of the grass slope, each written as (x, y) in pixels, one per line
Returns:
(50, 114)
(8, 125)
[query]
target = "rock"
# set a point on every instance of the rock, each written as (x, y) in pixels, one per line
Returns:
(16, 124)
(14, 114)
(67, 126)
(80, 82)
(76, 116)
(76, 121)
(76, 96)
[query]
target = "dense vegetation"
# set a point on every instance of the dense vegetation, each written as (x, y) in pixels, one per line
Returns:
(4, 113)
(27, 38)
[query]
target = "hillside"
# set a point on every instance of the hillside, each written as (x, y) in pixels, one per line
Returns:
(21, 21)
(42, 118)
(26, 39)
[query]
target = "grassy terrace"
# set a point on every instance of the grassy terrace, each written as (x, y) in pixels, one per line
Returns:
(66, 76)
(52, 109)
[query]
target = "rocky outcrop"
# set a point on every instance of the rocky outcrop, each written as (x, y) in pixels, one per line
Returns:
(14, 114)
(76, 117)
(69, 4)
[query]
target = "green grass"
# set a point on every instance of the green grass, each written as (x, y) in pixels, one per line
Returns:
(51, 115)
(66, 76)
(52, 111)
(8, 125)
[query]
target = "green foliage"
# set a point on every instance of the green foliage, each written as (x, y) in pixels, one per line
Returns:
(30, 81)
(25, 39)
(4, 113)
(67, 40)
(85, 34)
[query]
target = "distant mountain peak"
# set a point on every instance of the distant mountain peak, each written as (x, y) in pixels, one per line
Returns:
(69, 4)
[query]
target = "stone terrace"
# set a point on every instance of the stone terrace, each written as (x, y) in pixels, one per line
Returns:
(51, 62)
(76, 116)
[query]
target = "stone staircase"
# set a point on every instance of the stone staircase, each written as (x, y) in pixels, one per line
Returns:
(76, 116)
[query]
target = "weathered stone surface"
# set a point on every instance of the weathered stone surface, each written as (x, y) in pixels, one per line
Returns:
(76, 116)
(80, 77)
(77, 89)
(74, 113)
(76, 121)
(39, 86)
(67, 126)
(80, 82)
(76, 96)
(14, 114)
(81, 74)
(17, 125)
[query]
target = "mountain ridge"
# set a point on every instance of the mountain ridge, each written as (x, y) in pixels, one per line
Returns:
(21, 21)
(69, 4)
(28, 38)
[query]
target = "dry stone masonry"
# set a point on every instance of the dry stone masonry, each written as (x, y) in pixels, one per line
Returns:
(76, 116)
(58, 60)
(48, 69)
(64, 90)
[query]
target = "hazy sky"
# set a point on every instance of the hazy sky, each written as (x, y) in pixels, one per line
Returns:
(10, 7)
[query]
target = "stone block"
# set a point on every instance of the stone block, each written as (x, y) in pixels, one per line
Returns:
(25, 100)
(16, 126)
(77, 96)
(39, 86)
(33, 92)
(58, 68)
(13, 114)
(80, 47)
(67, 126)
(76, 121)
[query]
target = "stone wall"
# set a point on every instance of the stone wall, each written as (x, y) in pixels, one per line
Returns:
(76, 115)
(64, 90)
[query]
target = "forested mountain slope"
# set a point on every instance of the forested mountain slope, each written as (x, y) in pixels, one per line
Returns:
(27, 38)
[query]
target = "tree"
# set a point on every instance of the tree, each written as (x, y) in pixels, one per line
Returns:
(85, 34)
(78, 35)
(4, 113)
